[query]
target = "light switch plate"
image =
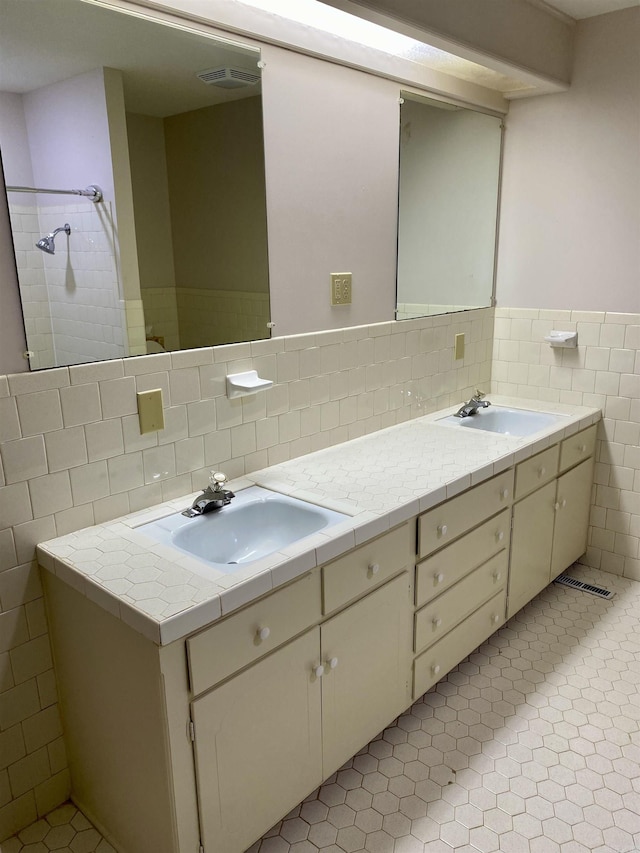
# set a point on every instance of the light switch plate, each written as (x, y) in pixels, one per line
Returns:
(150, 412)
(458, 346)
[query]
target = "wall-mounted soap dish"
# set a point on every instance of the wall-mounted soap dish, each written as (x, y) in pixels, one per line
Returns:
(241, 384)
(562, 339)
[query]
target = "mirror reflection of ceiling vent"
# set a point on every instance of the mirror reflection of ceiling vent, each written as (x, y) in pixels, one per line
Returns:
(229, 78)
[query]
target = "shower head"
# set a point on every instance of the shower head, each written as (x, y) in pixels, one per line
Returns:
(47, 245)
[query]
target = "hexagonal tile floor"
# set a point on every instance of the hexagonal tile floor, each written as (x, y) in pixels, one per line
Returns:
(530, 745)
(65, 830)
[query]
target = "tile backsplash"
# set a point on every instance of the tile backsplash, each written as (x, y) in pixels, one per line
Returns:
(71, 455)
(603, 371)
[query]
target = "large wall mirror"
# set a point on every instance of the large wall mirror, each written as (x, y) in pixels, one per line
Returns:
(448, 207)
(167, 122)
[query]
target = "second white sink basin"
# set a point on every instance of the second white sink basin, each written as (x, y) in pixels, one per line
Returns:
(256, 523)
(507, 421)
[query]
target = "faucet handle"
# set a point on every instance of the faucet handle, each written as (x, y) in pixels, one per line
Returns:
(217, 480)
(478, 395)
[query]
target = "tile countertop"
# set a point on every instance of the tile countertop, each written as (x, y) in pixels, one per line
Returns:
(378, 480)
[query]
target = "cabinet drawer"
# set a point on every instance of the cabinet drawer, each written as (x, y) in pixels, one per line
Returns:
(577, 447)
(231, 644)
(436, 662)
(365, 568)
(452, 563)
(536, 471)
(441, 615)
(444, 523)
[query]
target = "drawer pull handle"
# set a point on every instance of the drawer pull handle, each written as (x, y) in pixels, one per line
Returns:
(438, 577)
(332, 663)
(436, 622)
(495, 618)
(541, 472)
(582, 448)
(497, 576)
(504, 494)
(499, 535)
(442, 530)
(263, 633)
(319, 671)
(435, 668)
(561, 504)
(374, 568)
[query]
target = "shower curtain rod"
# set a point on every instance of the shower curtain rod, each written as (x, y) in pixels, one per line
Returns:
(92, 191)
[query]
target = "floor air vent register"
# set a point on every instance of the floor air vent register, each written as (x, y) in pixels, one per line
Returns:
(585, 587)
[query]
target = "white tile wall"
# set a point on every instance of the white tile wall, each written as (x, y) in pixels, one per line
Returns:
(71, 455)
(218, 315)
(604, 371)
(71, 300)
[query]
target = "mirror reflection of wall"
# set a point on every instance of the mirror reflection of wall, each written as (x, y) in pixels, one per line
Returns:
(201, 232)
(175, 256)
(448, 200)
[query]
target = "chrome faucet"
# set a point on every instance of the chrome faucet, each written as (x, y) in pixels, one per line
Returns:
(471, 408)
(213, 497)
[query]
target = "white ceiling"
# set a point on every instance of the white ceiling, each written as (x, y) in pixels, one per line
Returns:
(45, 41)
(579, 9)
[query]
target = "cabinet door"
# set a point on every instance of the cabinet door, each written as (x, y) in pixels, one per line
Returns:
(531, 539)
(573, 500)
(258, 745)
(369, 645)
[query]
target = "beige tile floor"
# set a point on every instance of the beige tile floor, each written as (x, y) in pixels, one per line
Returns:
(531, 745)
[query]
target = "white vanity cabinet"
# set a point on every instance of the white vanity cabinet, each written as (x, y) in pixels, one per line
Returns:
(550, 516)
(201, 745)
(258, 745)
(267, 737)
(233, 726)
(460, 587)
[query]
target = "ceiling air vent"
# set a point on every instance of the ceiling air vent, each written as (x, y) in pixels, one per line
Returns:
(229, 78)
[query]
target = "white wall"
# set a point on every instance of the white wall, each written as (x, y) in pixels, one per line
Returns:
(69, 143)
(331, 149)
(449, 170)
(570, 222)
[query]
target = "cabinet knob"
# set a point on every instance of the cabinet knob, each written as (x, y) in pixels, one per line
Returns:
(435, 668)
(560, 504)
(438, 577)
(319, 671)
(436, 622)
(541, 472)
(263, 633)
(442, 530)
(332, 663)
(583, 448)
(495, 618)
(374, 568)
(497, 576)
(563, 502)
(504, 494)
(499, 535)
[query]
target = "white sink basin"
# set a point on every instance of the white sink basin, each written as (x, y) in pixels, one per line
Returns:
(256, 523)
(507, 421)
